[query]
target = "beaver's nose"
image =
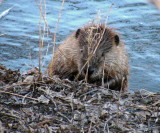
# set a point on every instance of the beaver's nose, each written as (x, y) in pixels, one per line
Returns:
(90, 70)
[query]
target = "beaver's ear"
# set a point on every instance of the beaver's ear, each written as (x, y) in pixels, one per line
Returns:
(77, 33)
(116, 39)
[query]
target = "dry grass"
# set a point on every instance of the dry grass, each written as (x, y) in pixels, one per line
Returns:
(44, 30)
(57, 24)
(98, 21)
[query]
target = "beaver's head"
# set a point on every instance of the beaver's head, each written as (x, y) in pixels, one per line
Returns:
(95, 42)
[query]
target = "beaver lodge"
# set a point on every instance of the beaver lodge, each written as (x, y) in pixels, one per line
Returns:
(36, 103)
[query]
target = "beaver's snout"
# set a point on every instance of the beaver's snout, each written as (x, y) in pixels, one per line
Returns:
(90, 70)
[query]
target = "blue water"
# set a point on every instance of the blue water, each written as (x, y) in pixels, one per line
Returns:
(137, 20)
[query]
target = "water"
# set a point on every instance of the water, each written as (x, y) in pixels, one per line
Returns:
(136, 20)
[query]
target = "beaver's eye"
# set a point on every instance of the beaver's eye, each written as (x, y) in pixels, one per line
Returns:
(116, 38)
(81, 50)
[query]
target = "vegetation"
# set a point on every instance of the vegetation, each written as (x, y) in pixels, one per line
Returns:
(33, 102)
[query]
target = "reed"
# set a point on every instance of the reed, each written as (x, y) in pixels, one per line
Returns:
(44, 30)
(98, 21)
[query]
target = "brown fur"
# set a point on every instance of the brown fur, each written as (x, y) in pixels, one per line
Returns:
(95, 53)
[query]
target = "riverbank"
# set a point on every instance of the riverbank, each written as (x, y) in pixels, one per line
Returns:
(36, 103)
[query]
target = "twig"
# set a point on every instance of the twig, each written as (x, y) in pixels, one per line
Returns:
(46, 24)
(64, 117)
(158, 102)
(90, 127)
(10, 115)
(61, 83)
(55, 30)
(4, 13)
(106, 126)
(20, 96)
(88, 92)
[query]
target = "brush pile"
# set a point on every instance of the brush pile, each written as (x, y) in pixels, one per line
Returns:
(33, 102)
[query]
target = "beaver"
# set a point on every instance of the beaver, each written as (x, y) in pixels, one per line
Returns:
(95, 53)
